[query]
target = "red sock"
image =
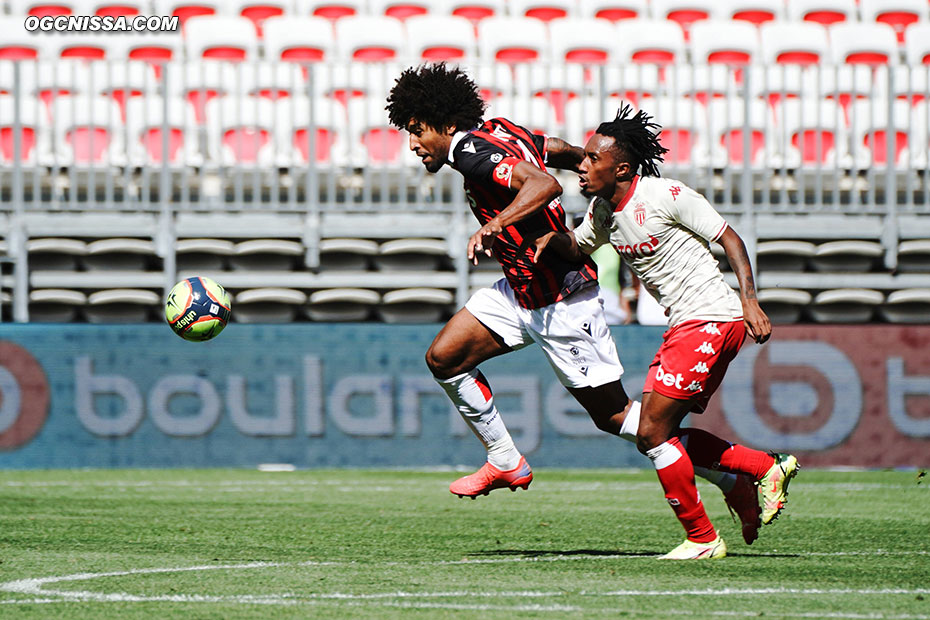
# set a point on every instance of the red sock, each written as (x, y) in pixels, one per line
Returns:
(676, 473)
(708, 450)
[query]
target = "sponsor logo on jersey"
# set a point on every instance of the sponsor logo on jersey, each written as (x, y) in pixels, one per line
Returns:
(705, 348)
(639, 213)
(639, 250)
(668, 379)
(496, 157)
(710, 328)
(701, 367)
(503, 171)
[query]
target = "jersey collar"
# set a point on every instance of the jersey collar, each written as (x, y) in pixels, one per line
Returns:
(456, 138)
(628, 195)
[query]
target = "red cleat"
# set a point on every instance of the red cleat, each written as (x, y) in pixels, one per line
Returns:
(743, 502)
(489, 478)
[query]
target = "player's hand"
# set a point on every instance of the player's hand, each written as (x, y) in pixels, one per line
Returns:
(482, 240)
(756, 321)
(541, 243)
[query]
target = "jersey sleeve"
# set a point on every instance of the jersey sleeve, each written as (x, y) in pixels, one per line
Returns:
(588, 233)
(481, 161)
(693, 211)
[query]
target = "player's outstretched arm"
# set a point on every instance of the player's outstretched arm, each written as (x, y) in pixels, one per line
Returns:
(562, 155)
(757, 323)
(535, 190)
(563, 244)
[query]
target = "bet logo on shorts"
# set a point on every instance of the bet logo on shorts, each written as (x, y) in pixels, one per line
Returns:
(24, 396)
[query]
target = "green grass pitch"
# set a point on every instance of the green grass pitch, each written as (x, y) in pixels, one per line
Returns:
(395, 544)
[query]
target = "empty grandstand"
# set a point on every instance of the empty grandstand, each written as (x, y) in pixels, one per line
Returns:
(252, 145)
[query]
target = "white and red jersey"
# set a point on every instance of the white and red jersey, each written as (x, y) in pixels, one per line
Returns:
(661, 229)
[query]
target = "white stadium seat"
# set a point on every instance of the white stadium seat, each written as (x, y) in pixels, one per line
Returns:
(755, 12)
(644, 41)
(412, 254)
(441, 38)
(120, 254)
(202, 254)
(341, 304)
(512, 40)
(347, 254)
(823, 12)
(301, 39)
(543, 10)
(783, 305)
(852, 255)
(899, 14)
(863, 43)
(225, 38)
(415, 305)
(784, 255)
(266, 255)
(793, 43)
(121, 306)
(268, 305)
(848, 305)
(615, 10)
(55, 305)
(907, 306)
(725, 42)
(369, 38)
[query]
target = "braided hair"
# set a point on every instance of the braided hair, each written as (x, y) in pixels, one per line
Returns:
(637, 138)
(437, 96)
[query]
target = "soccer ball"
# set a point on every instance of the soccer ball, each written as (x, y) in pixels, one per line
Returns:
(197, 309)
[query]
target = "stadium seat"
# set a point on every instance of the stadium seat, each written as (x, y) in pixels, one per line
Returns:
(54, 79)
(150, 128)
(543, 10)
(632, 82)
(584, 114)
(87, 132)
(823, 12)
(370, 38)
(907, 306)
(684, 124)
(268, 305)
(55, 253)
(512, 40)
(272, 80)
(331, 9)
(784, 305)
(404, 9)
(756, 12)
(155, 48)
(615, 10)
(534, 113)
(20, 44)
(55, 305)
(860, 43)
(200, 83)
(120, 253)
(375, 141)
(266, 255)
(243, 131)
(224, 38)
(914, 256)
(784, 255)
(31, 135)
(476, 10)
(701, 82)
(909, 83)
(123, 81)
(41, 8)
(320, 130)
(775, 83)
(493, 80)
(651, 42)
(872, 128)
(441, 38)
(917, 45)
(814, 133)
(412, 254)
(848, 256)
(347, 254)
(112, 8)
(200, 254)
(728, 126)
(685, 13)
(86, 46)
(257, 11)
(299, 39)
(848, 305)
(793, 43)
(585, 41)
(733, 43)
(415, 305)
(341, 305)
(185, 9)
(899, 14)
(555, 83)
(842, 83)
(121, 306)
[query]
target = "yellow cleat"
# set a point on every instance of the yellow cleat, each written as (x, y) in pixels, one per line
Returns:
(690, 550)
(774, 485)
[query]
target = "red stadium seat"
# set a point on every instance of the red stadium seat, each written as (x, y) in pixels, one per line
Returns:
(19, 44)
(112, 8)
(863, 43)
(654, 42)
(823, 12)
(543, 10)
(257, 11)
(331, 9)
(323, 135)
(299, 39)
(441, 37)
(725, 42)
(728, 122)
(227, 38)
(476, 10)
(683, 12)
(793, 43)
(512, 40)
(199, 83)
(585, 41)
(186, 9)
(40, 8)
(756, 12)
(917, 46)
(243, 131)
(899, 14)
(403, 9)
(370, 38)
(380, 143)
(683, 124)
(615, 10)
(88, 132)
(872, 129)
(29, 128)
(147, 124)
(815, 132)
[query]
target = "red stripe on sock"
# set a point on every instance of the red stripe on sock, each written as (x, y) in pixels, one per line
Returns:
(483, 385)
(682, 495)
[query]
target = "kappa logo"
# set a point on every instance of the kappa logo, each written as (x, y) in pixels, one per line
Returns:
(675, 190)
(469, 148)
(711, 328)
(694, 386)
(705, 348)
(700, 367)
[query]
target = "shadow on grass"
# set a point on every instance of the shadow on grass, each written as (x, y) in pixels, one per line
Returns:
(609, 553)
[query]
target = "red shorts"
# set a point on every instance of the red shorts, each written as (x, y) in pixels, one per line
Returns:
(692, 360)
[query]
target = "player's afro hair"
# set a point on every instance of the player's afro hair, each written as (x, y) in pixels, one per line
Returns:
(437, 96)
(637, 137)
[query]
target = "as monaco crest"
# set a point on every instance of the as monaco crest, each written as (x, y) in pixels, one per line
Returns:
(639, 213)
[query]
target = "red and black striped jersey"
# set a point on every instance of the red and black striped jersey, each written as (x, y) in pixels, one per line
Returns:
(486, 156)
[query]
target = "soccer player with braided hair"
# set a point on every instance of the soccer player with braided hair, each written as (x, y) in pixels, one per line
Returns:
(662, 229)
(547, 300)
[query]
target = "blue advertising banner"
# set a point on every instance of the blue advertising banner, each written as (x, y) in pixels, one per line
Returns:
(360, 395)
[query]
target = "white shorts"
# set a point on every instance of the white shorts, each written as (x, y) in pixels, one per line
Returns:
(573, 333)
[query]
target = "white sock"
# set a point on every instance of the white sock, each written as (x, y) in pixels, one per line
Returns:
(723, 480)
(471, 395)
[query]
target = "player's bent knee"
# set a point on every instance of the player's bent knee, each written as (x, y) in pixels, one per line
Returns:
(441, 364)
